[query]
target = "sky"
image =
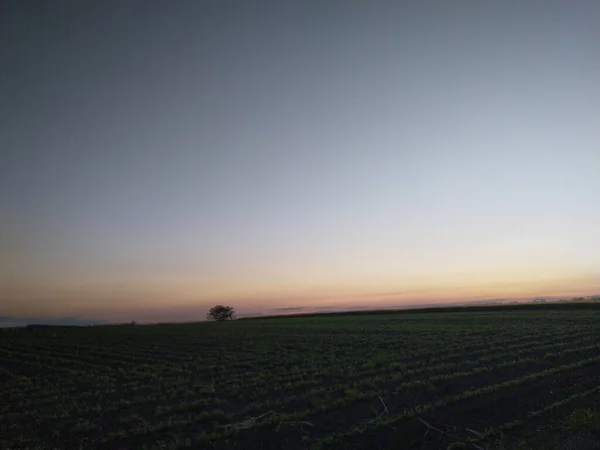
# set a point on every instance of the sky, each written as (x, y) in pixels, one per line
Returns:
(160, 157)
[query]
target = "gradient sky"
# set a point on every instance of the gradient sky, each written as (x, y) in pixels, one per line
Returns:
(158, 157)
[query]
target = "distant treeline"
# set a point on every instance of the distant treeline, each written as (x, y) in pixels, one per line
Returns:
(42, 326)
(560, 305)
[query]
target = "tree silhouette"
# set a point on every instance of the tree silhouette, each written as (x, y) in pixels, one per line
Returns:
(221, 313)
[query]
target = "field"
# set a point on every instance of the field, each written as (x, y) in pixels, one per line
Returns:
(485, 378)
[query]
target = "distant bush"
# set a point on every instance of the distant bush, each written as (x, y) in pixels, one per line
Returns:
(221, 313)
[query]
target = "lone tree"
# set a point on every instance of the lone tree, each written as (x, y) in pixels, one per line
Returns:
(220, 313)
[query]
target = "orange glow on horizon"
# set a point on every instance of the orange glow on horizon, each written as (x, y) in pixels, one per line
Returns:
(182, 299)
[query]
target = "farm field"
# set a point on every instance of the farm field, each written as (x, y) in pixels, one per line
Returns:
(486, 378)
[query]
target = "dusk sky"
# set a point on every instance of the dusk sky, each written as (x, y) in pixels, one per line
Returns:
(160, 157)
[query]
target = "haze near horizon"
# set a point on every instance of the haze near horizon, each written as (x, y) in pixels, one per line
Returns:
(162, 157)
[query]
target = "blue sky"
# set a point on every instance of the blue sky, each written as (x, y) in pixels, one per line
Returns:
(158, 158)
